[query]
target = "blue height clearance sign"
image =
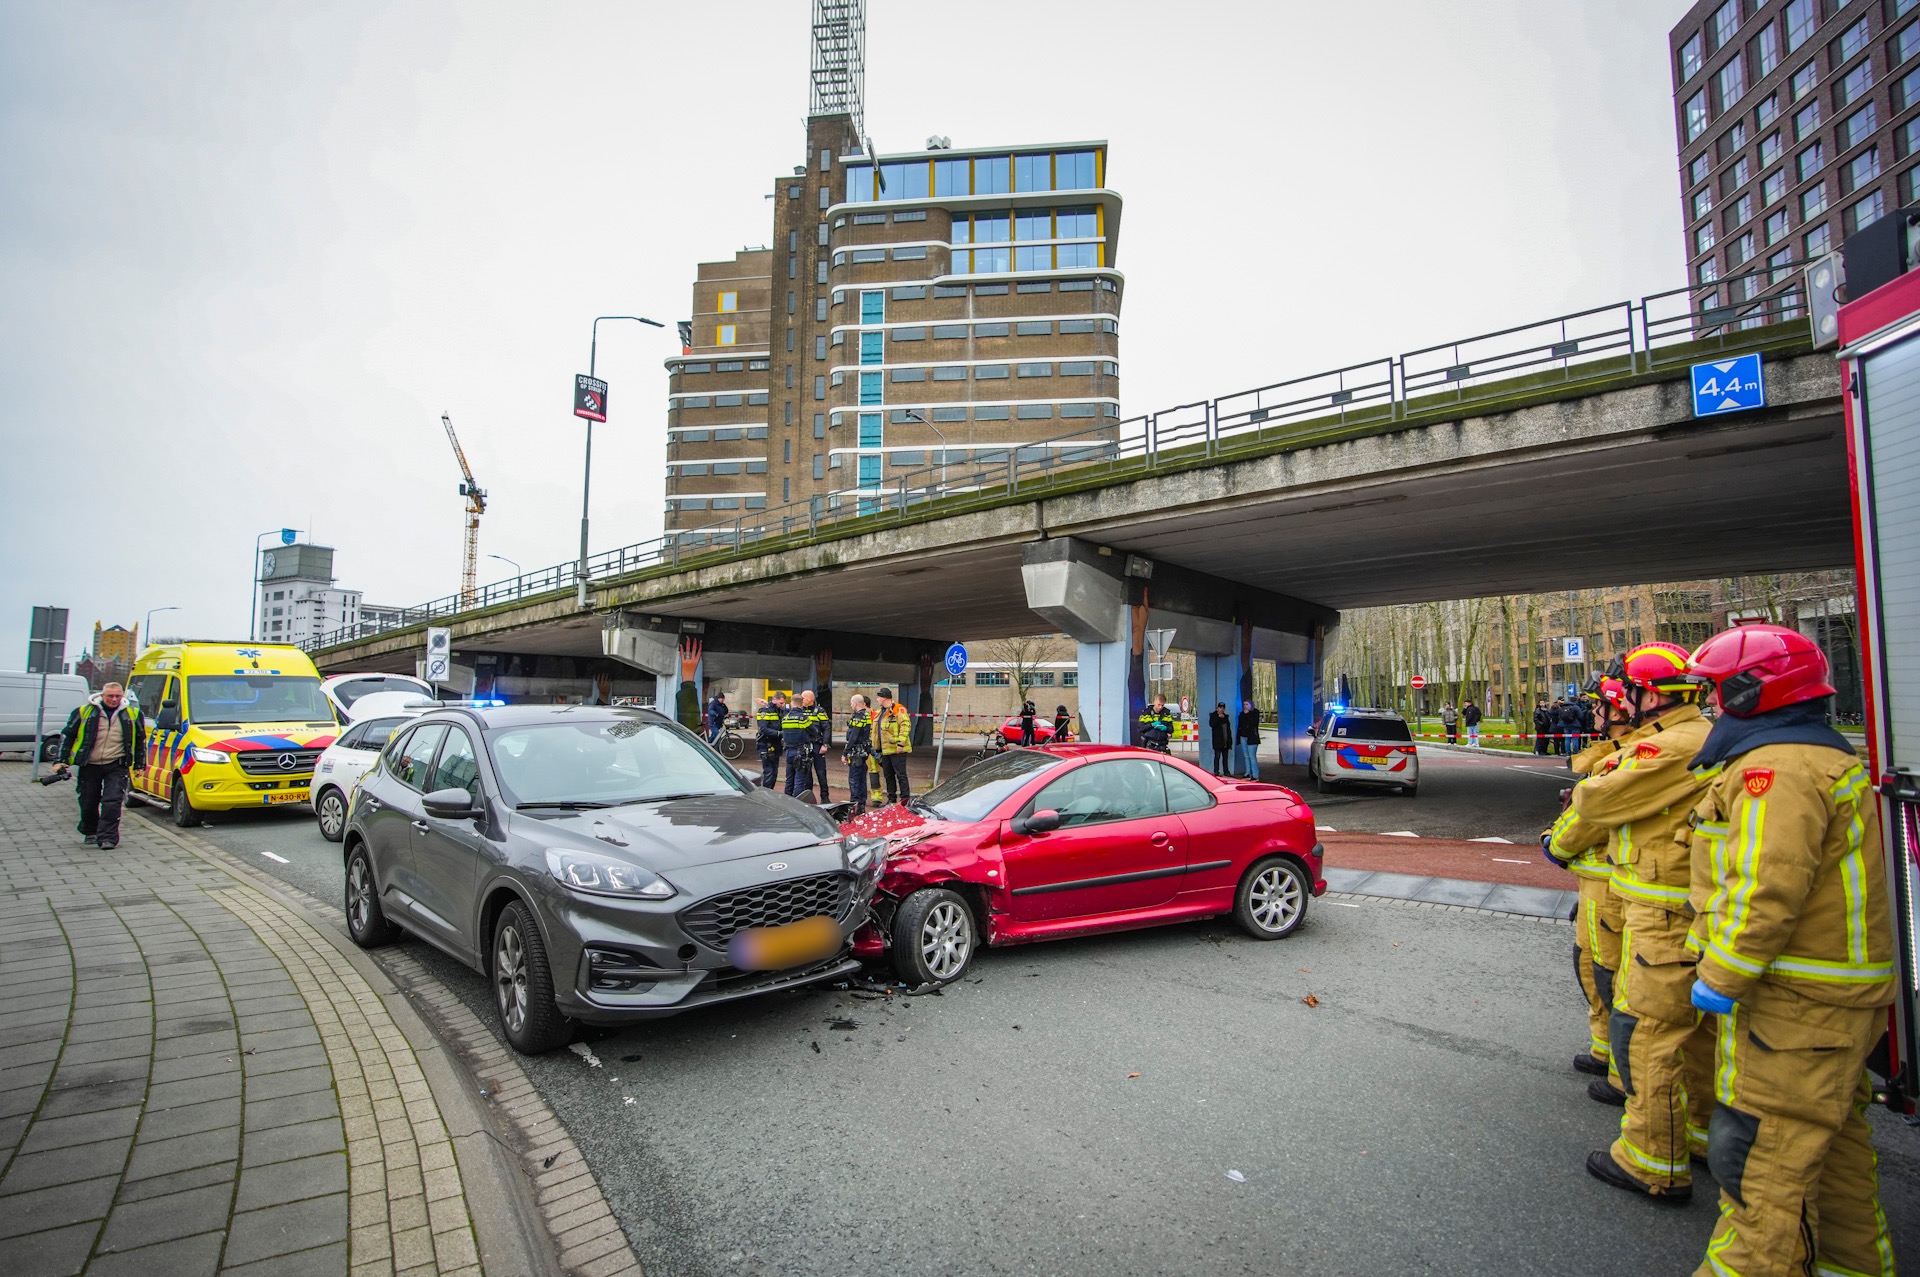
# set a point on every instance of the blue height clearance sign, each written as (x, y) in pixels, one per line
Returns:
(1728, 385)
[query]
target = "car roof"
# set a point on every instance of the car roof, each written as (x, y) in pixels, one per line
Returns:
(496, 716)
(1092, 749)
(1369, 713)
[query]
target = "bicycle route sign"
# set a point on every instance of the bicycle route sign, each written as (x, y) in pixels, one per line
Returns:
(956, 661)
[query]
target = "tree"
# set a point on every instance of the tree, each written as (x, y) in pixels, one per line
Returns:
(1020, 656)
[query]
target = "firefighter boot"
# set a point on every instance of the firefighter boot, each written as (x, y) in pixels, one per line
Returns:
(1799, 1191)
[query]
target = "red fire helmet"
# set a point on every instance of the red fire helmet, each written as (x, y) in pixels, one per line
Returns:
(1660, 667)
(1757, 668)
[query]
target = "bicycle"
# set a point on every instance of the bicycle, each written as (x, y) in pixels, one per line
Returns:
(731, 743)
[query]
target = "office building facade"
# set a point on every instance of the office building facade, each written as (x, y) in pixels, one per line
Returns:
(1798, 123)
(915, 319)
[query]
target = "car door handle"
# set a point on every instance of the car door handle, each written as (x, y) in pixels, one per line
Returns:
(1159, 840)
(421, 825)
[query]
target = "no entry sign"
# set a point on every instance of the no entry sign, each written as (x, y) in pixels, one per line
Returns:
(1417, 682)
(589, 398)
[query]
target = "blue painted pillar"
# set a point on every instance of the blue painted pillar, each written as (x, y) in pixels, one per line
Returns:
(1299, 702)
(1103, 692)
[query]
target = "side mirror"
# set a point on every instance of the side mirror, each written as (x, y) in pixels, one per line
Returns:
(1044, 821)
(450, 804)
(168, 719)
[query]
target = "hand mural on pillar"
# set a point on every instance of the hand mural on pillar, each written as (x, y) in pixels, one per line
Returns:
(823, 678)
(923, 711)
(1137, 661)
(1246, 663)
(686, 698)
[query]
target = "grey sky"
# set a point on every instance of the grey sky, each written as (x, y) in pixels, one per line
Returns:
(249, 253)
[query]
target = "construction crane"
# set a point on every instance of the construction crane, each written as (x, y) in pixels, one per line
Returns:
(476, 506)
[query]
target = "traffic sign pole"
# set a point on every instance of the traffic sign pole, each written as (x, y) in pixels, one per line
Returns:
(956, 663)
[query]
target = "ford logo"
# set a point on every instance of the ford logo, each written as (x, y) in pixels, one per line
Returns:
(776, 866)
(289, 761)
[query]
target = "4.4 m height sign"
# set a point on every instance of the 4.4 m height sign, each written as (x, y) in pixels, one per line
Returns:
(1728, 385)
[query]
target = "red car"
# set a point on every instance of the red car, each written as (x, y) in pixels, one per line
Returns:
(1009, 733)
(1074, 840)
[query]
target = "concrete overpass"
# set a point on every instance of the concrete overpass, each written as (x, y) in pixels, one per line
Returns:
(1520, 489)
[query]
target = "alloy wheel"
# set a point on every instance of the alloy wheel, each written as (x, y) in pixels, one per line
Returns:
(510, 978)
(359, 895)
(332, 814)
(946, 939)
(1275, 898)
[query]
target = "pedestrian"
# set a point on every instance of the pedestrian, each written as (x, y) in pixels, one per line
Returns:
(766, 737)
(1470, 716)
(856, 749)
(1156, 724)
(1542, 723)
(716, 716)
(1797, 960)
(1062, 725)
(896, 743)
(822, 719)
(1027, 714)
(102, 739)
(799, 739)
(1220, 723)
(1641, 798)
(1246, 738)
(1450, 719)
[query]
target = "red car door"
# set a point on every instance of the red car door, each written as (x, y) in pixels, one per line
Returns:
(1117, 847)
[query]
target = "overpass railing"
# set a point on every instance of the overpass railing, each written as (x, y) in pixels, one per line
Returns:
(1655, 332)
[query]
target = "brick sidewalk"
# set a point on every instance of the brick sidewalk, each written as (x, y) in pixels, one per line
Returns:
(193, 1079)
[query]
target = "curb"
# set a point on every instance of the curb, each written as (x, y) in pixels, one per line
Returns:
(510, 1229)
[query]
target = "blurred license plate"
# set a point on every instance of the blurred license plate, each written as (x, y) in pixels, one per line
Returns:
(777, 948)
(291, 796)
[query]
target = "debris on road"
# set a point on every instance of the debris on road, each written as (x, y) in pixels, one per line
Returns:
(1236, 1177)
(546, 1163)
(843, 1025)
(585, 1052)
(1133, 1075)
(815, 1046)
(1311, 1001)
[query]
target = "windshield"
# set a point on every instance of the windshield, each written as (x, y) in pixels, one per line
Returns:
(605, 763)
(1371, 728)
(256, 698)
(983, 786)
(354, 688)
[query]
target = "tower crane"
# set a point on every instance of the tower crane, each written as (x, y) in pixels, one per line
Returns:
(476, 506)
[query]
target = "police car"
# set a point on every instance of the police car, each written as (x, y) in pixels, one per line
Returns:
(1364, 747)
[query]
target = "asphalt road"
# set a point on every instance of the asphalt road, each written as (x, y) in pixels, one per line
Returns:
(1421, 1118)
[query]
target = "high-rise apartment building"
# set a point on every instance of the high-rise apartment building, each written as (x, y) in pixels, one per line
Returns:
(1799, 123)
(297, 600)
(914, 314)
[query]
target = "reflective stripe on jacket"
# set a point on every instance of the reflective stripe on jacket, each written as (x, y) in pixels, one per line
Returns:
(896, 730)
(1582, 845)
(767, 725)
(1792, 887)
(1644, 800)
(84, 725)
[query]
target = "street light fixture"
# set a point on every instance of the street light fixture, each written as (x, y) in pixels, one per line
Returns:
(286, 536)
(513, 563)
(914, 415)
(586, 478)
(146, 627)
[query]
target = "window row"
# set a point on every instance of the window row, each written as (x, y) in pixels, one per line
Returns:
(976, 412)
(686, 468)
(727, 365)
(721, 401)
(873, 302)
(872, 350)
(718, 434)
(744, 502)
(982, 175)
(998, 372)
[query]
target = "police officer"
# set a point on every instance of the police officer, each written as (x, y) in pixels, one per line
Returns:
(1156, 725)
(1542, 725)
(857, 748)
(822, 721)
(1796, 958)
(1580, 847)
(1660, 1046)
(799, 741)
(766, 737)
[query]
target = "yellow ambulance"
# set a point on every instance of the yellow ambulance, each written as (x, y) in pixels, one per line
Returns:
(229, 725)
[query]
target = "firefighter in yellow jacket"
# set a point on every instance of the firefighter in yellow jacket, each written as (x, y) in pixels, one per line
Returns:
(1643, 797)
(1581, 849)
(1796, 957)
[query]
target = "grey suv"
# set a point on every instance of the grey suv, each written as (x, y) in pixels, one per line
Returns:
(598, 865)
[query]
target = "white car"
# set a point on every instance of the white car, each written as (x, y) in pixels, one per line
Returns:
(345, 690)
(341, 765)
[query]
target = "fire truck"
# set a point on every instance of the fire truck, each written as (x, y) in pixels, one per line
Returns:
(1878, 330)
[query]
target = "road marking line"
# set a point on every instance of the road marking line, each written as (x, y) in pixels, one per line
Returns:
(1344, 904)
(279, 859)
(1399, 833)
(1325, 829)
(1503, 860)
(1507, 841)
(1555, 774)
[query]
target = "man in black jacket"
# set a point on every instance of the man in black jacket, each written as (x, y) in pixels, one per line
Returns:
(103, 740)
(1220, 723)
(1542, 724)
(1246, 738)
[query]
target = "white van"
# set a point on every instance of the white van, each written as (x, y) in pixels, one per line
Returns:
(20, 701)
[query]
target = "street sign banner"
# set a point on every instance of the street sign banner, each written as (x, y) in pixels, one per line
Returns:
(956, 661)
(1728, 385)
(287, 536)
(589, 398)
(1417, 682)
(439, 654)
(1576, 650)
(47, 641)
(1573, 691)
(1160, 671)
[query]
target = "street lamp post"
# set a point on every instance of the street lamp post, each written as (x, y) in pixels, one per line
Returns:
(586, 477)
(253, 605)
(914, 415)
(147, 627)
(512, 563)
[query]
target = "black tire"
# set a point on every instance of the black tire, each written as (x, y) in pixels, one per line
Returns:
(1271, 901)
(934, 937)
(367, 924)
(1410, 791)
(50, 749)
(180, 806)
(1320, 785)
(330, 812)
(523, 985)
(731, 746)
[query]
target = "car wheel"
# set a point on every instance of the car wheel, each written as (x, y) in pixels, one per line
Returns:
(50, 749)
(1272, 899)
(181, 807)
(732, 746)
(1319, 780)
(367, 924)
(933, 937)
(330, 809)
(1409, 791)
(523, 985)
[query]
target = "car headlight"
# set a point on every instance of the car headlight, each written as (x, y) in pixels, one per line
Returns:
(862, 852)
(203, 755)
(604, 876)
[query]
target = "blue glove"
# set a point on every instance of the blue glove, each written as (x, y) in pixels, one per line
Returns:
(1710, 999)
(1546, 849)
